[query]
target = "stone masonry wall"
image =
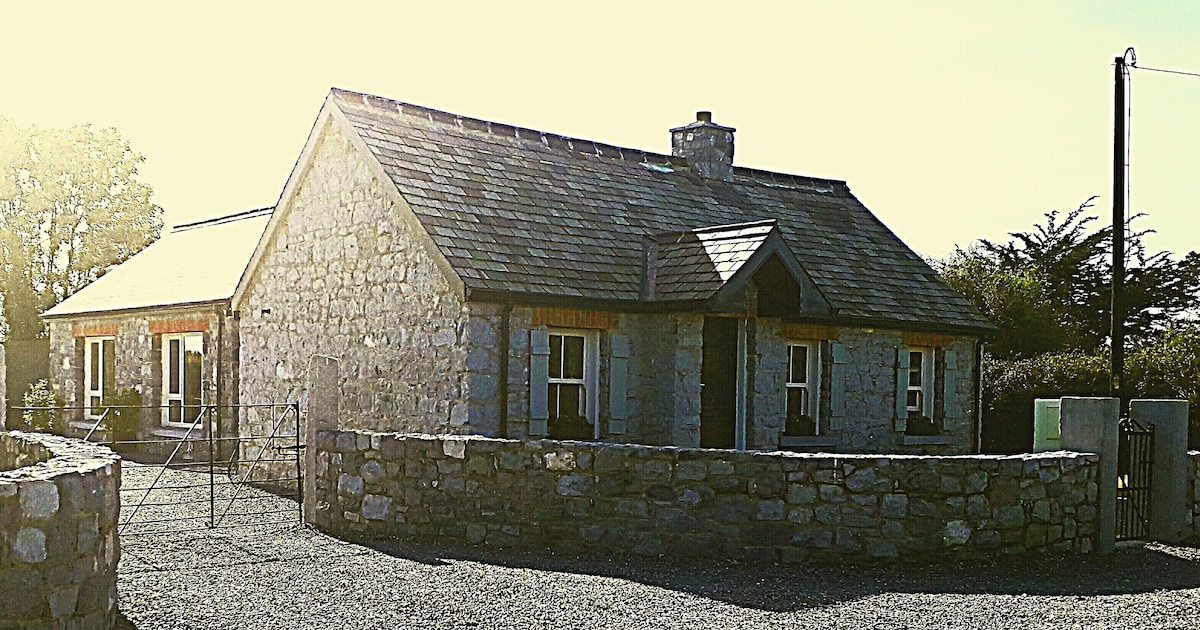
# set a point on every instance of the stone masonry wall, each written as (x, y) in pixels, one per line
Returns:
(139, 355)
(59, 503)
(868, 383)
(664, 372)
(663, 383)
(347, 276)
(777, 506)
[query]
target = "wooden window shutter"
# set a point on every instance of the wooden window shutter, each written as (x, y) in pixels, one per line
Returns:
(837, 385)
(539, 375)
(618, 387)
(950, 399)
(901, 389)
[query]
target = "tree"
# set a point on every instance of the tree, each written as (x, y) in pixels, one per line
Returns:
(71, 208)
(1048, 289)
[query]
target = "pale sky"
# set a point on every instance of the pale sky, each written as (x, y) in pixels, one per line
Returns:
(952, 120)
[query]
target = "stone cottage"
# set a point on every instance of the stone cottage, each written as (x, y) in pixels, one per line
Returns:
(159, 325)
(466, 276)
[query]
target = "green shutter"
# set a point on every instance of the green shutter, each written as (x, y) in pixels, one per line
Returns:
(618, 388)
(837, 385)
(951, 404)
(539, 375)
(901, 385)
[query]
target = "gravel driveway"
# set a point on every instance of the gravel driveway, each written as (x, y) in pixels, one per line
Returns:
(295, 577)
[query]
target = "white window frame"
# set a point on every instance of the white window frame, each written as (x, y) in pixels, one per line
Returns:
(167, 396)
(924, 408)
(591, 372)
(90, 412)
(812, 385)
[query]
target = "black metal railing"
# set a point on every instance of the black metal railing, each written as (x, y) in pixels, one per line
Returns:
(1135, 467)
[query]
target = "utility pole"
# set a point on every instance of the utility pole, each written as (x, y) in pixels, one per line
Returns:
(1120, 169)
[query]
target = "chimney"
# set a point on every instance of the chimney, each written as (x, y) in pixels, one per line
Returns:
(708, 147)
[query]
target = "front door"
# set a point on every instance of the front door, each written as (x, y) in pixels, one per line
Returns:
(718, 383)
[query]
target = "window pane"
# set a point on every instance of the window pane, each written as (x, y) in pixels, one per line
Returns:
(556, 356)
(798, 364)
(175, 411)
(552, 401)
(94, 404)
(191, 378)
(110, 367)
(914, 401)
(914, 369)
(94, 365)
(797, 402)
(571, 401)
(173, 366)
(572, 357)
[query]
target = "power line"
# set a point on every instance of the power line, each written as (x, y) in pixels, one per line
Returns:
(1188, 74)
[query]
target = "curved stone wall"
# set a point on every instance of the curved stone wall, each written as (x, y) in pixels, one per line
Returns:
(59, 502)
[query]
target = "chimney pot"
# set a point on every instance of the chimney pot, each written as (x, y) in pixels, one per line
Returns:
(704, 117)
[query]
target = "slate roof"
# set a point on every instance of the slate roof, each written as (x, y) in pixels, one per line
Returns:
(194, 263)
(525, 212)
(695, 264)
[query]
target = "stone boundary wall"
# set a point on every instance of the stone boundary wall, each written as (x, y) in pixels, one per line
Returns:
(59, 502)
(766, 506)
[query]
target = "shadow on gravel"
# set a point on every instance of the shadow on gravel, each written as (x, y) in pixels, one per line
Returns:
(122, 623)
(785, 588)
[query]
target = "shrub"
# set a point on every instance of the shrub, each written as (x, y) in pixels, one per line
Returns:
(48, 419)
(125, 414)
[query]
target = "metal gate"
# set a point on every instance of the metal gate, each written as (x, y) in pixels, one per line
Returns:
(188, 477)
(1135, 465)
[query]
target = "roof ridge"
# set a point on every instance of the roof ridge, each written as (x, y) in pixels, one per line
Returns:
(548, 139)
(789, 180)
(228, 218)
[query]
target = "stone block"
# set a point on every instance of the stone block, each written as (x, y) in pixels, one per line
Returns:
(691, 471)
(670, 519)
(372, 472)
(575, 485)
(39, 499)
(559, 461)
(831, 494)
(770, 510)
(977, 507)
(815, 538)
(828, 514)
(633, 508)
(376, 508)
(350, 485)
(894, 506)
(29, 545)
(455, 448)
(860, 480)
(1009, 516)
(654, 470)
(957, 533)
(976, 482)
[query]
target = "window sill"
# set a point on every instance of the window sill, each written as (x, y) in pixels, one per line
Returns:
(170, 432)
(929, 440)
(815, 440)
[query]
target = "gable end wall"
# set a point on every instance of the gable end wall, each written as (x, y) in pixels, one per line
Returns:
(346, 276)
